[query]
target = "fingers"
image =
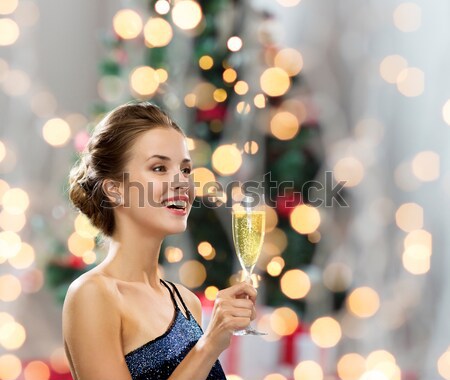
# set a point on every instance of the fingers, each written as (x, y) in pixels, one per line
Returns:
(241, 290)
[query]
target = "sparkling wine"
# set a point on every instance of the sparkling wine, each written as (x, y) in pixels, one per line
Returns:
(248, 235)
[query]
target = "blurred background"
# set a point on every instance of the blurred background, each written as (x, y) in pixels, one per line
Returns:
(342, 109)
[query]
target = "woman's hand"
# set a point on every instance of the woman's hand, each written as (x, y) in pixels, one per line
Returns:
(234, 309)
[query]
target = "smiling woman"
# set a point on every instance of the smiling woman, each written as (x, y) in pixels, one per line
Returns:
(120, 319)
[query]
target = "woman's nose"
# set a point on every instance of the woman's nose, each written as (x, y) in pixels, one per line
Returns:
(180, 180)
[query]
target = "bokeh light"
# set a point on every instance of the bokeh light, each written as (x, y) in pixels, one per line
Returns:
(363, 302)
(203, 178)
(220, 95)
(408, 17)
(446, 112)
(275, 81)
(10, 367)
(36, 370)
(290, 60)
(229, 75)
(186, 14)
(295, 284)
(10, 288)
(305, 219)
(275, 376)
(284, 321)
(10, 244)
(9, 32)
(234, 43)
(15, 201)
(56, 132)
(411, 82)
(259, 100)
(78, 244)
(127, 23)
(8, 6)
(204, 96)
(206, 62)
(144, 81)
(12, 335)
(58, 361)
(308, 370)
(426, 166)
(243, 107)
(16, 83)
(162, 7)
(275, 266)
(173, 254)
(337, 277)
(409, 217)
(24, 258)
(241, 87)
(251, 147)
(416, 259)
(443, 365)
(351, 366)
(157, 32)
(284, 125)
(84, 227)
(391, 66)
(211, 293)
(326, 332)
(2, 151)
(349, 171)
(226, 159)
(192, 274)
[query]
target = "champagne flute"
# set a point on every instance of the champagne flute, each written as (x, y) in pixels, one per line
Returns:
(248, 224)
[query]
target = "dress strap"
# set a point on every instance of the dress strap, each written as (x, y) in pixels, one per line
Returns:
(171, 293)
(181, 299)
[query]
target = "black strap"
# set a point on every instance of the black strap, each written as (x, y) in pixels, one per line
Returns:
(181, 299)
(171, 293)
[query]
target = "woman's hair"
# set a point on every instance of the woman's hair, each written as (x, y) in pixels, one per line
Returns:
(105, 157)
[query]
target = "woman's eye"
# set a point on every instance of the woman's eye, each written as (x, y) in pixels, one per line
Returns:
(159, 169)
(186, 170)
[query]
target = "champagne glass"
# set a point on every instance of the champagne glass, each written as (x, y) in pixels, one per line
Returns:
(248, 224)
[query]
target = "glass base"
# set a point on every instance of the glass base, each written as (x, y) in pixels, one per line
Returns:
(248, 331)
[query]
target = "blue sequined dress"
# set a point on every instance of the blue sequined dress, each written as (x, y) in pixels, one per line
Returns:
(158, 358)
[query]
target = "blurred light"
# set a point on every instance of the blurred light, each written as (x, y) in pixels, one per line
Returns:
(89, 257)
(305, 219)
(192, 274)
(275, 81)
(349, 171)
(426, 166)
(220, 95)
(127, 24)
(78, 244)
(234, 377)
(408, 17)
(284, 321)
(314, 237)
(391, 66)
(16, 83)
(162, 7)
(363, 302)
(36, 370)
(186, 14)
(12, 335)
(275, 239)
(23, 258)
(226, 159)
(411, 82)
(446, 112)
(27, 13)
(206, 250)
(157, 32)
(12, 222)
(15, 201)
(243, 108)
(295, 284)
(308, 370)
(373, 375)
(275, 266)
(8, 6)
(351, 366)
(2, 151)
(111, 88)
(241, 87)
(295, 107)
(206, 62)
(271, 219)
(204, 95)
(443, 365)
(290, 60)
(211, 293)
(58, 361)
(10, 244)
(419, 237)
(144, 80)
(173, 254)
(9, 32)
(56, 132)
(10, 288)
(284, 125)
(84, 227)
(190, 100)
(44, 104)
(337, 277)
(259, 101)
(162, 74)
(251, 147)
(416, 259)
(326, 332)
(377, 357)
(404, 177)
(229, 75)
(203, 178)
(274, 376)
(234, 43)
(32, 281)
(10, 367)
(409, 217)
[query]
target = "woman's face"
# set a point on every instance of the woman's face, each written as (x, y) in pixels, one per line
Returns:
(157, 191)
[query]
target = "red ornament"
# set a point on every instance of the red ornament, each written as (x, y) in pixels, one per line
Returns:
(286, 203)
(216, 113)
(76, 262)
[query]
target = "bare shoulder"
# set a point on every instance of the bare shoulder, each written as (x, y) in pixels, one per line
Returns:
(192, 301)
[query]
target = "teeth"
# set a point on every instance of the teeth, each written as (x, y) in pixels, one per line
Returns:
(177, 203)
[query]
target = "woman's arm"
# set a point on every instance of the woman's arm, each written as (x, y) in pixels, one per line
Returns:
(91, 330)
(231, 312)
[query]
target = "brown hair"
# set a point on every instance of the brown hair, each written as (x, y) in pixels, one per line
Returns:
(105, 157)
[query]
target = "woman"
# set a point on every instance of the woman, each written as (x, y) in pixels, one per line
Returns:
(121, 321)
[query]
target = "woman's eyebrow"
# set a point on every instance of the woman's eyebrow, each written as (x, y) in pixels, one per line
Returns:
(165, 158)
